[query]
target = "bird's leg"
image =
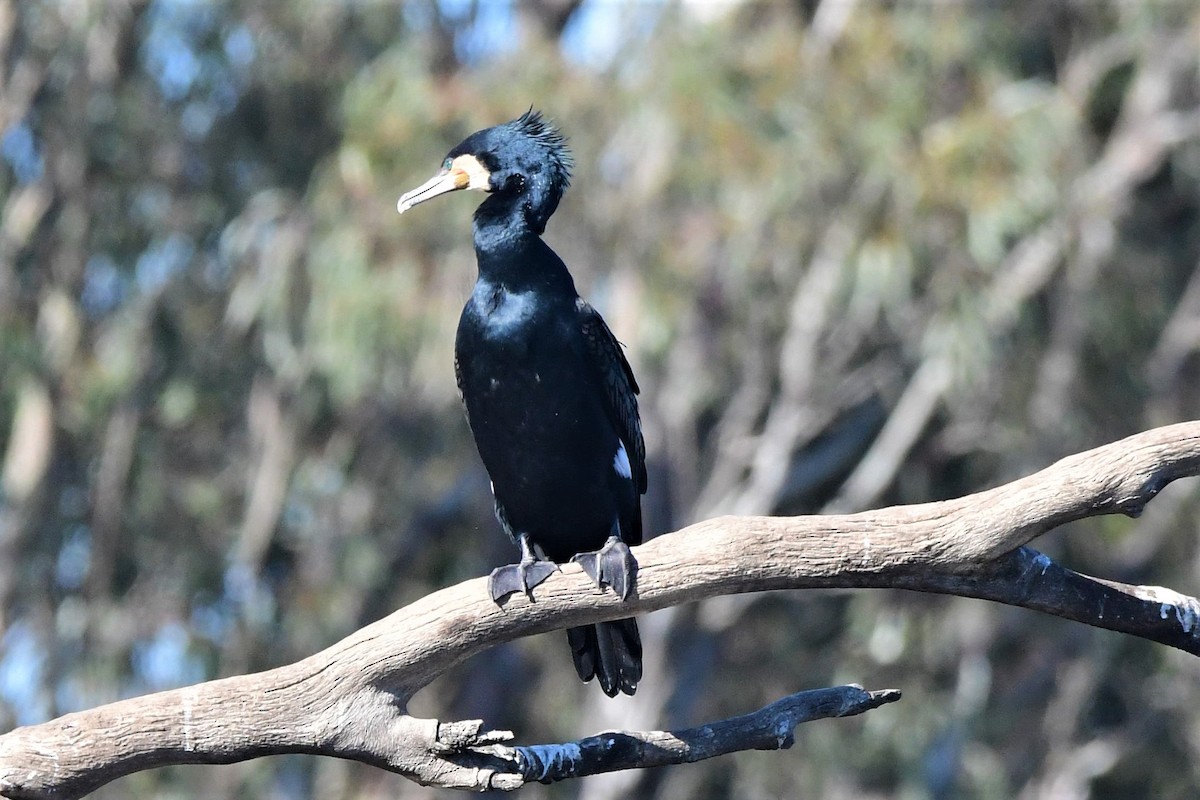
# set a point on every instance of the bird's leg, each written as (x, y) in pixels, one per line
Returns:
(520, 577)
(612, 565)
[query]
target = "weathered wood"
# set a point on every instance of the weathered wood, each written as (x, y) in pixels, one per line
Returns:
(350, 699)
(769, 728)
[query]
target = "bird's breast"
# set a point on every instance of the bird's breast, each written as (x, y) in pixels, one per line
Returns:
(501, 313)
(519, 365)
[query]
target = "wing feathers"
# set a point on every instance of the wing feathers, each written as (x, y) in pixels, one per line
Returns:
(620, 388)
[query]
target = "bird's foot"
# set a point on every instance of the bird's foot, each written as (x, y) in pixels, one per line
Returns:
(612, 566)
(522, 577)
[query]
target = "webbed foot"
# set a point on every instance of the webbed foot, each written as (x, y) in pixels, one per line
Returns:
(522, 577)
(612, 566)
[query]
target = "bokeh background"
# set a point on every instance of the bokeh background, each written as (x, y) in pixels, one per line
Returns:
(861, 253)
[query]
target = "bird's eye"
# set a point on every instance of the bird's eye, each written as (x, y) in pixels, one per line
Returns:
(448, 163)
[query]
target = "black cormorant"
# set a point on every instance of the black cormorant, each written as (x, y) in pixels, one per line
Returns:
(549, 396)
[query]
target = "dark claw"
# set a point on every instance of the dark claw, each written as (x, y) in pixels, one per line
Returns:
(612, 566)
(522, 577)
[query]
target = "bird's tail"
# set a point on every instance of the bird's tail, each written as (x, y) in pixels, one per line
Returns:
(609, 651)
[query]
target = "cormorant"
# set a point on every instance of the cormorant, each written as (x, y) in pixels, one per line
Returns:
(549, 395)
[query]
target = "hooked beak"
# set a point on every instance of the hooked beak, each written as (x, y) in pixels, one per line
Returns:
(450, 180)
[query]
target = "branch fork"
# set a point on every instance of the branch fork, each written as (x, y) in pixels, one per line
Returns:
(350, 700)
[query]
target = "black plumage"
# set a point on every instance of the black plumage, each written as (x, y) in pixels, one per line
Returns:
(550, 398)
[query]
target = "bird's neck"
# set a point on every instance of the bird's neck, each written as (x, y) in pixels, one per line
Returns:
(511, 254)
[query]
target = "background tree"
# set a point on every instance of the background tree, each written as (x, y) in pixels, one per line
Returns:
(860, 254)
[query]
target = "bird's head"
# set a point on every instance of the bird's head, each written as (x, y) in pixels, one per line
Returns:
(523, 163)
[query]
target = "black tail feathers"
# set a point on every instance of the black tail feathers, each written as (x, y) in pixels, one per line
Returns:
(610, 652)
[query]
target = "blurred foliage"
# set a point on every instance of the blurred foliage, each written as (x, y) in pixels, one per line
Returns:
(860, 253)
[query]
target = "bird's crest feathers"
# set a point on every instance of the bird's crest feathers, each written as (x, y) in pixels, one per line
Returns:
(536, 127)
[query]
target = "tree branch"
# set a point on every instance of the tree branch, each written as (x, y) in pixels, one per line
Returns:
(350, 699)
(769, 728)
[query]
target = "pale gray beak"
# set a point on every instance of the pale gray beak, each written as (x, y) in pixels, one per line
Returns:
(442, 183)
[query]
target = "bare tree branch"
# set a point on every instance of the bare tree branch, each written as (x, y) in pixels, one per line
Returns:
(350, 699)
(769, 728)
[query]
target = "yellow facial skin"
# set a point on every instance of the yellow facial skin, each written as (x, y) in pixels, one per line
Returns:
(461, 172)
